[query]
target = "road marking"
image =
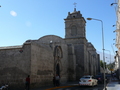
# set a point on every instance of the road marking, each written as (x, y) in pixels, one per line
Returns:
(61, 87)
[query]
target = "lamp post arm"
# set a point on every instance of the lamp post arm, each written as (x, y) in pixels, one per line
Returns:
(102, 29)
(97, 19)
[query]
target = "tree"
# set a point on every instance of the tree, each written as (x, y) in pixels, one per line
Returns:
(102, 64)
(111, 65)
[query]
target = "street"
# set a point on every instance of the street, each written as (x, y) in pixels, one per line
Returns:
(99, 87)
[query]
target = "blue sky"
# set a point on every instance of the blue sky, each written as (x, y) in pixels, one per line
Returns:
(21, 20)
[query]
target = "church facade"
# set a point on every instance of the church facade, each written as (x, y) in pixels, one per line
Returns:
(70, 57)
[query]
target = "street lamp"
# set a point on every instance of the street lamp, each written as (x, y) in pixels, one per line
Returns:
(102, 45)
(112, 3)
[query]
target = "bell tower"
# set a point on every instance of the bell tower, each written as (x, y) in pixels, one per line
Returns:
(75, 25)
(75, 37)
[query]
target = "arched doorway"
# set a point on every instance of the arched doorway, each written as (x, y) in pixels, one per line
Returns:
(58, 69)
(57, 60)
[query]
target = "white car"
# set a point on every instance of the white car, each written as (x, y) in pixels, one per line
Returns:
(88, 80)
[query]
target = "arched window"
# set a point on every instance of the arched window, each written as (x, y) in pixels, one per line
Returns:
(73, 30)
(58, 51)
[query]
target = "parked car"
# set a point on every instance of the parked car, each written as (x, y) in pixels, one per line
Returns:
(108, 76)
(88, 80)
(100, 78)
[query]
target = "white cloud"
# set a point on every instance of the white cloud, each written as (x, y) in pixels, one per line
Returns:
(13, 13)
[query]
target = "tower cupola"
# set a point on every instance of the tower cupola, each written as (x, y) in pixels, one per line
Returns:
(74, 25)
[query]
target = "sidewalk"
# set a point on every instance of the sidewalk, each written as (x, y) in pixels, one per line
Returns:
(114, 84)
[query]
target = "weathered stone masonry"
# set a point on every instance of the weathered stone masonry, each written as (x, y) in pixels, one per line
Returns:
(70, 57)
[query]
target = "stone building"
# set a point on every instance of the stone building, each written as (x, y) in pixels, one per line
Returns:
(70, 57)
(117, 43)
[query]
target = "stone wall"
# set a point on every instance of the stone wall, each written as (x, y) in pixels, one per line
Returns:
(64, 62)
(42, 60)
(72, 63)
(42, 65)
(35, 59)
(79, 45)
(15, 65)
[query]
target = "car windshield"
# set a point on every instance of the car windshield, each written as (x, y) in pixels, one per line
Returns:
(85, 77)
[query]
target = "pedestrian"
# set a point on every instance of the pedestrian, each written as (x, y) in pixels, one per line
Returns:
(54, 81)
(57, 79)
(27, 83)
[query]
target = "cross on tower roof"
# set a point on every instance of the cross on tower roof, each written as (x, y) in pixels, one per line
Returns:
(74, 4)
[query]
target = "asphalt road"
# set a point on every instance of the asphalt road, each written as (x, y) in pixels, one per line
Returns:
(99, 87)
